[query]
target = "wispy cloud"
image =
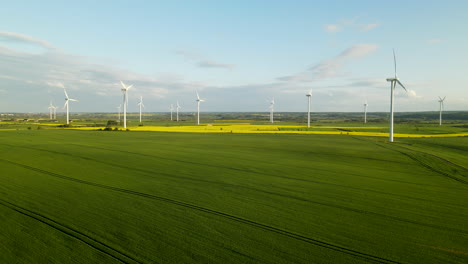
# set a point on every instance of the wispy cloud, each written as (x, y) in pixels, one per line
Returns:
(12, 38)
(331, 67)
(202, 62)
(332, 28)
(349, 23)
(213, 64)
(368, 27)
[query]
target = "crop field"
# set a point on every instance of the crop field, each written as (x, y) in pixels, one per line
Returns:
(77, 196)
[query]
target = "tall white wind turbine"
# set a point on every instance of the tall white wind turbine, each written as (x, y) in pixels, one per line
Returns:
(171, 109)
(272, 109)
(119, 107)
(365, 112)
(125, 101)
(67, 100)
(140, 104)
(177, 111)
(199, 100)
(393, 82)
(309, 96)
(441, 108)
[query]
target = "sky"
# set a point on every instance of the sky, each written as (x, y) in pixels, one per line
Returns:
(238, 55)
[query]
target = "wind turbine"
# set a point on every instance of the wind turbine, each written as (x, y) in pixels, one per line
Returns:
(272, 106)
(140, 104)
(177, 111)
(67, 99)
(172, 109)
(441, 107)
(119, 107)
(125, 101)
(309, 96)
(393, 82)
(199, 100)
(51, 107)
(55, 112)
(365, 112)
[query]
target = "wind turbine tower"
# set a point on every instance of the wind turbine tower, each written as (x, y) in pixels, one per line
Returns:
(172, 109)
(140, 104)
(441, 108)
(272, 109)
(309, 97)
(199, 100)
(365, 112)
(51, 108)
(119, 107)
(177, 111)
(125, 101)
(393, 83)
(55, 112)
(67, 100)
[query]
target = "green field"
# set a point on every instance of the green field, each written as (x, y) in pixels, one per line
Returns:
(146, 197)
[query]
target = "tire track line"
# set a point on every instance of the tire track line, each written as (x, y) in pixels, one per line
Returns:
(427, 166)
(102, 247)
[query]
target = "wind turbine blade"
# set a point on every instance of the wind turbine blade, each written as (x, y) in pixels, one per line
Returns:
(65, 105)
(401, 85)
(74, 100)
(394, 61)
(129, 87)
(443, 99)
(198, 97)
(123, 85)
(66, 95)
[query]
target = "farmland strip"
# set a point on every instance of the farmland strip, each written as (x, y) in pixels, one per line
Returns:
(106, 249)
(242, 220)
(234, 185)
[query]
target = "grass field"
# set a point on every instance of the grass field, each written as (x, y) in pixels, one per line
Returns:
(69, 196)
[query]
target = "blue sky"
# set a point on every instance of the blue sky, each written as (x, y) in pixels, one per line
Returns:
(237, 54)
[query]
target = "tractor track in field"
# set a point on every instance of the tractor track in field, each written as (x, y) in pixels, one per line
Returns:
(92, 242)
(437, 157)
(289, 234)
(424, 164)
(241, 186)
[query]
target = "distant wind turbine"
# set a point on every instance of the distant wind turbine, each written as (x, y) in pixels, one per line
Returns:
(67, 99)
(365, 112)
(125, 101)
(119, 107)
(441, 108)
(172, 109)
(393, 82)
(199, 100)
(51, 108)
(309, 96)
(140, 104)
(177, 111)
(272, 109)
(55, 112)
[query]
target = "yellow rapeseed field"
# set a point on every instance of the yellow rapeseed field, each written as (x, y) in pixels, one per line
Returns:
(272, 129)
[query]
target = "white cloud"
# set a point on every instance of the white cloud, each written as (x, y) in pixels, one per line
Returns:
(331, 67)
(368, 27)
(332, 28)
